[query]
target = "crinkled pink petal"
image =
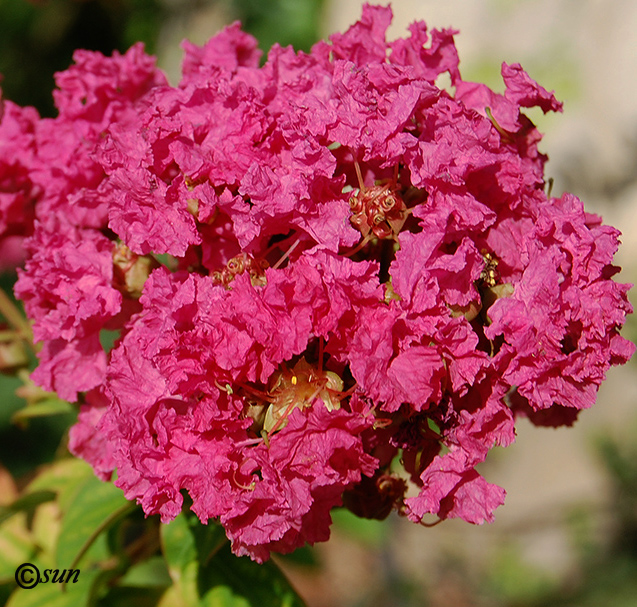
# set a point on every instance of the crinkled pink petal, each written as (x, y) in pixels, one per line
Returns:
(69, 367)
(364, 42)
(525, 92)
(145, 218)
(229, 49)
(311, 485)
(18, 192)
(429, 61)
(87, 441)
(453, 489)
(417, 376)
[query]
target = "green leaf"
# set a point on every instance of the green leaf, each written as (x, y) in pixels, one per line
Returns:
(16, 547)
(259, 585)
(180, 550)
(126, 597)
(64, 477)
(207, 574)
(222, 596)
(96, 506)
(178, 545)
(149, 573)
(52, 595)
(174, 597)
(305, 556)
(208, 539)
(44, 408)
(24, 503)
(185, 540)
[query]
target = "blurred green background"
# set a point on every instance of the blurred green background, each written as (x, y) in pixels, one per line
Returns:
(38, 37)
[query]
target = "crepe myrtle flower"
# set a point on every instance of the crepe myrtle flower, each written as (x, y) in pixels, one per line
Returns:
(332, 281)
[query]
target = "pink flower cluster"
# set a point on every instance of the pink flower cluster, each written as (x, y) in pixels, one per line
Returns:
(314, 269)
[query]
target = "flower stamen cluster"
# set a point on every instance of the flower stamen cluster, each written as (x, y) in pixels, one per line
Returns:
(243, 262)
(289, 389)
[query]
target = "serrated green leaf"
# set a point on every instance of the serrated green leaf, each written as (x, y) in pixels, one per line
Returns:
(95, 507)
(25, 503)
(44, 408)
